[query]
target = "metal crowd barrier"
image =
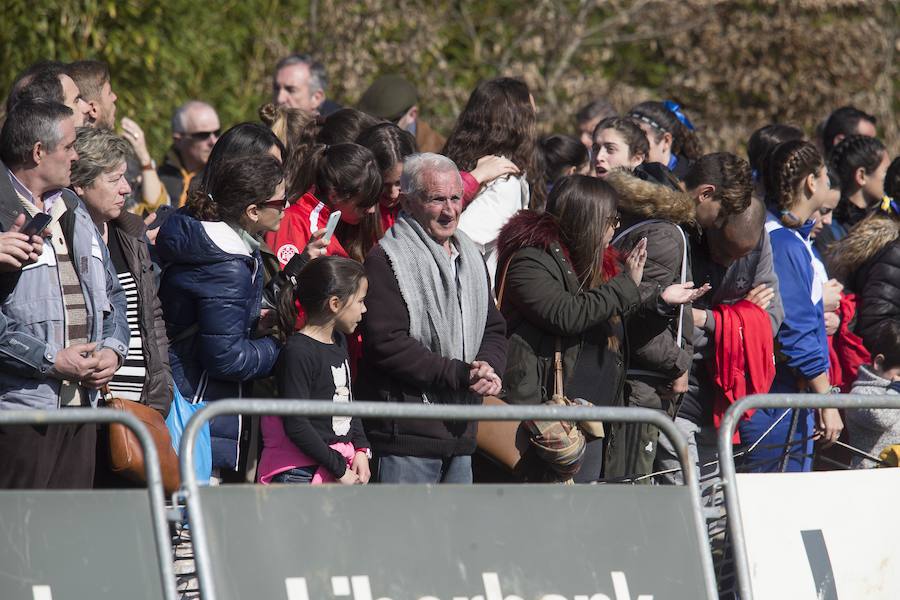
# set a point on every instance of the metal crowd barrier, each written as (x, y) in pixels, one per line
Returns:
(84, 546)
(727, 464)
(694, 522)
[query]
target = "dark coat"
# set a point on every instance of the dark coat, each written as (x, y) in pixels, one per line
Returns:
(158, 387)
(867, 261)
(398, 368)
(171, 174)
(542, 302)
(880, 291)
(656, 356)
(212, 285)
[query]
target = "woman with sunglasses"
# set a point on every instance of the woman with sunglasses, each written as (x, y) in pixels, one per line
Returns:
(211, 289)
(560, 283)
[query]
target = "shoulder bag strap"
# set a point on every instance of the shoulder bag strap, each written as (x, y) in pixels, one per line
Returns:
(558, 370)
(502, 286)
(684, 266)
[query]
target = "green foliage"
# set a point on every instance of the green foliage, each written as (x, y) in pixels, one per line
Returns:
(732, 63)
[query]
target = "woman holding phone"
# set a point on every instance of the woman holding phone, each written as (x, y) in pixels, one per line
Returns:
(342, 177)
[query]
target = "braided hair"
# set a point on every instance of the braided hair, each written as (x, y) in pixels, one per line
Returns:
(789, 164)
(852, 153)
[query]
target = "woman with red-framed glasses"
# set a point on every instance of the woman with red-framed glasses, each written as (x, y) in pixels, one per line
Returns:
(211, 289)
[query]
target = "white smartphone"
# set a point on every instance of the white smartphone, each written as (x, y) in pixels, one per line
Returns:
(332, 225)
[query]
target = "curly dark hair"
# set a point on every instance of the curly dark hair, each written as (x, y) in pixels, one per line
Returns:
(499, 119)
(729, 174)
(789, 164)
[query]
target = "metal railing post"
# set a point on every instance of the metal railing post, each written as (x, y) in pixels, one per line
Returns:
(151, 464)
(380, 410)
(729, 472)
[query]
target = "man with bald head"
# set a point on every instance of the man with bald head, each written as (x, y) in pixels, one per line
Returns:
(735, 258)
(195, 130)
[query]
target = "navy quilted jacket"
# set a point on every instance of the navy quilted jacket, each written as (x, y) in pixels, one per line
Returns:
(211, 290)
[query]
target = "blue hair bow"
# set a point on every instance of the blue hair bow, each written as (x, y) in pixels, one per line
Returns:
(676, 110)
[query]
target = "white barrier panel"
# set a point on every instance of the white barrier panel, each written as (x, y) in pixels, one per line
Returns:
(822, 536)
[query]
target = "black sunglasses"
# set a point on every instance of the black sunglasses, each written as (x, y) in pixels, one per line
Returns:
(201, 136)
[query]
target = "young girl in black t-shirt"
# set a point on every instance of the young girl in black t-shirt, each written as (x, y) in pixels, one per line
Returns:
(314, 365)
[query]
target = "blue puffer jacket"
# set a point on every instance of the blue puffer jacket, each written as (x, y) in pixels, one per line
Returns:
(211, 290)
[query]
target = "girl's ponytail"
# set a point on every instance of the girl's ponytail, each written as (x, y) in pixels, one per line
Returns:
(667, 117)
(305, 174)
(201, 205)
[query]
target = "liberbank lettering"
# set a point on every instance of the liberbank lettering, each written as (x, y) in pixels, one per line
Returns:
(358, 587)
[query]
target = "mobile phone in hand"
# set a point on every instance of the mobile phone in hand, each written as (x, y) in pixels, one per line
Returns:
(37, 224)
(332, 225)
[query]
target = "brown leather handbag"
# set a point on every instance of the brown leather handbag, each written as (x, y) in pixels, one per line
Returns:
(559, 443)
(126, 458)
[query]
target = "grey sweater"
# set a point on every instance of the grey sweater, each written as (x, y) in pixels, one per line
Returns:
(872, 429)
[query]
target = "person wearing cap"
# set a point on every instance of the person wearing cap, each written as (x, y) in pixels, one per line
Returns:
(394, 98)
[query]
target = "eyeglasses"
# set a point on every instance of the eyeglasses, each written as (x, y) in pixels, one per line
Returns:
(202, 136)
(614, 221)
(278, 205)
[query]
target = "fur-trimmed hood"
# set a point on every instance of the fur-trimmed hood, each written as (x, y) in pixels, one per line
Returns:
(530, 229)
(527, 229)
(867, 238)
(651, 200)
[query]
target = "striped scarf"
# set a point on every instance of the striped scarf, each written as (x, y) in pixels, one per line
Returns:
(75, 315)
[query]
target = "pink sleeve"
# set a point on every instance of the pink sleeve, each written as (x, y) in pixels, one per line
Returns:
(470, 187)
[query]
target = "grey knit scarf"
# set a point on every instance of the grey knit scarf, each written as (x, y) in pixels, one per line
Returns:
(446, 317)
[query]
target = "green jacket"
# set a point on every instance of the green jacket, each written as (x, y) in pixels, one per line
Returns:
(542, 302)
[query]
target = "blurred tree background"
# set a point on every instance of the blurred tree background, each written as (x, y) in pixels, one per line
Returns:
(733, 64)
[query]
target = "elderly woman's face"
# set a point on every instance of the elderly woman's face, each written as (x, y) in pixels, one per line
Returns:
(437, 206)
(105, 197)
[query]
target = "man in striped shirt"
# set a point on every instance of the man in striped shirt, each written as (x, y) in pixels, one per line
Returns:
(63, 331)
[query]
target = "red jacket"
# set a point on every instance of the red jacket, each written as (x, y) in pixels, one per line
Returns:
(744, 360)
(388, 216)
(300, 221)
(845, 349)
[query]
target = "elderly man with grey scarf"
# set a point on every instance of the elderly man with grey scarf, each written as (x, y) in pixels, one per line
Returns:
(432, 334)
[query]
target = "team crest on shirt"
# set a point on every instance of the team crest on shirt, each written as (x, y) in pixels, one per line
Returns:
(286, 253)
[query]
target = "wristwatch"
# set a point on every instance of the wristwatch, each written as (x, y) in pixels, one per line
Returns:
(150, 166)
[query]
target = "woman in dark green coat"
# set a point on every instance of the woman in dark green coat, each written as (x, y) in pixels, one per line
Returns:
(559, 281)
